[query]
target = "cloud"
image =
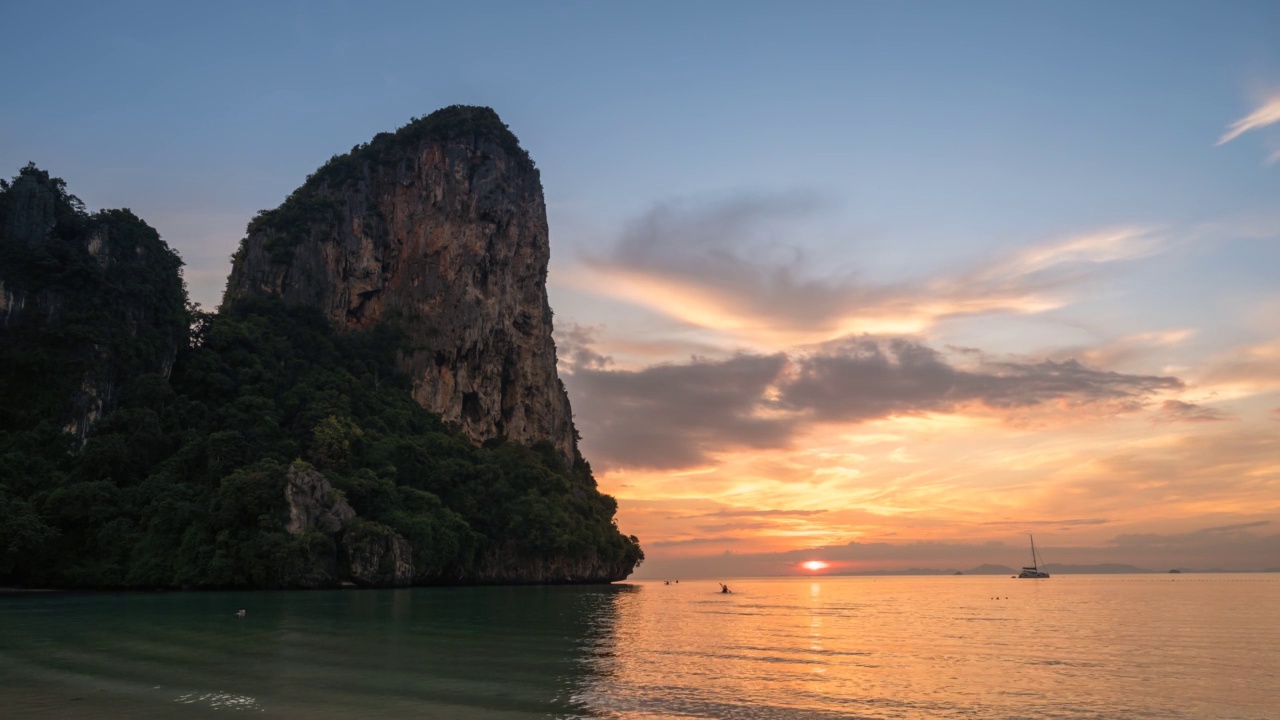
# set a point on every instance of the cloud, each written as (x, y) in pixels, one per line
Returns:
(752, 513)
(736, 526)
(735, 266)
(725, 264)
(679, 415)
(1236, 527)
(1127, 349)
(574, 347)
(692, 542)
(1029, 523)
(1113, 245)
(860, 379)
(674, 416)
(1252, 368)
(1200, 539)
(1179, 411)
(1266, 114)
(1225, 472)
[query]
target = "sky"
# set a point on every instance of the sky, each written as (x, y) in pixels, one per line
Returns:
(885, 285)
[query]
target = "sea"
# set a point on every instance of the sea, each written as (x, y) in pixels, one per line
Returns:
(1069, 647)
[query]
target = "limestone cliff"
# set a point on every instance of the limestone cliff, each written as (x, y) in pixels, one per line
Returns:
(270, 444)
(442, 228)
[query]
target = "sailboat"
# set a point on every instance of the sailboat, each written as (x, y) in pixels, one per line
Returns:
(1034, 571)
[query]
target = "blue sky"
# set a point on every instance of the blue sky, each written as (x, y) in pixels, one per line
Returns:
(896, 154)
(962, 125)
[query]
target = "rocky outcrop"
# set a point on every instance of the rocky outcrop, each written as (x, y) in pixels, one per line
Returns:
(312, 502)
(512, 568)
(440, 227)
(366, 553)
(32, 203)
(376, 556)
(370, 554)
(11, 304)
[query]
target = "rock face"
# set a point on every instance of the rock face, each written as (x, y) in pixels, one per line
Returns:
(368, 553)
(552, 570)
(440, 227)
(312, 503)
(377, 557)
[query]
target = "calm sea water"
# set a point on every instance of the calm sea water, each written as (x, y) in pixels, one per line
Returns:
(1189, 646)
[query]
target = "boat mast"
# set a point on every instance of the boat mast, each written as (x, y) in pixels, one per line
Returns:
(1034, 565)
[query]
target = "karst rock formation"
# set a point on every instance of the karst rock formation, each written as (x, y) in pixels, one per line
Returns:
(442, 228)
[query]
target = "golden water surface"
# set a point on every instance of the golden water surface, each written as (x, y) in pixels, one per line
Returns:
(1150, 646)
(1188, 646)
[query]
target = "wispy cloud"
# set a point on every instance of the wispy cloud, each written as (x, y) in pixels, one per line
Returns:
(1266, 114)
(692, 541)
(1185, 412)
(1126, 349)
(574, 347)
(1221, 469)
(1112, 245)
(730, 266)
(1236, 527)
(1026, 523)
(753, 513)
(1244, 371)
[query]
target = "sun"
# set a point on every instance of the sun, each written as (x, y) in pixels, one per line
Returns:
(813, 565)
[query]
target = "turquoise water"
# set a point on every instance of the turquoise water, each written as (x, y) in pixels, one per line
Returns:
(1192, 646)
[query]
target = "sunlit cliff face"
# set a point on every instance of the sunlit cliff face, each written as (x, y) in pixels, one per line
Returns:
(744, 404)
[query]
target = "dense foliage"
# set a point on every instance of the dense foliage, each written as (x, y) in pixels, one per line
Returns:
(183, 485)
(90, 302)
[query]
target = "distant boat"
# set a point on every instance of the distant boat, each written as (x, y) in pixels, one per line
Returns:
(1034, 571)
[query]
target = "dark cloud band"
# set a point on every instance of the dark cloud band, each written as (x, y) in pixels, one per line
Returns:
(676, 415)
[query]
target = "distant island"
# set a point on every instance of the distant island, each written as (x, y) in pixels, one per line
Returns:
(374, 404)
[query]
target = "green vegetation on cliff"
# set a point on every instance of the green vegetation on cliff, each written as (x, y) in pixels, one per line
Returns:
(87, 303)
(185, 483)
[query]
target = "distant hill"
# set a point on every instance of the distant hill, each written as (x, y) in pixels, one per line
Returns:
(989, 569)
(908, 571)
(1103, 569)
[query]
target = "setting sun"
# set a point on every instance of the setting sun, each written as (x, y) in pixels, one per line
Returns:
(814, 565)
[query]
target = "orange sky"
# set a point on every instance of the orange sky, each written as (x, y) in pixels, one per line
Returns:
(750, 413)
